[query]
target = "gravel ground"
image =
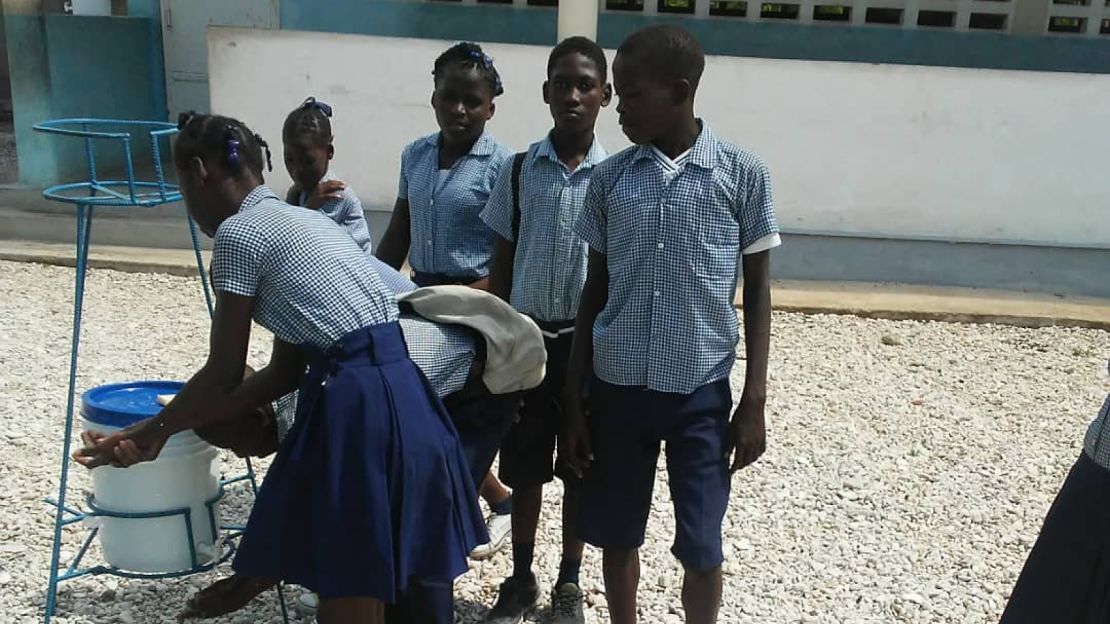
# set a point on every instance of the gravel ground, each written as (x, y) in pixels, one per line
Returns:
(909, 469)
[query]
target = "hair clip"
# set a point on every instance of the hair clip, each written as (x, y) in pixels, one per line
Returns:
(231, 146)
(184, 119)
(266, 147)
(323, 107)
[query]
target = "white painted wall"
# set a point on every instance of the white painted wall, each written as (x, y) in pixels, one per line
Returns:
(886, 150)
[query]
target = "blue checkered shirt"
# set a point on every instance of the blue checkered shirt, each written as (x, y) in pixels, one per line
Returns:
(549, 269)
(673, 245)
(347, 212)
(310, 281)
(444, 353)
(447, 235)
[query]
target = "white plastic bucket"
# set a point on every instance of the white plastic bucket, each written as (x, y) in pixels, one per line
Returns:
(185, 476)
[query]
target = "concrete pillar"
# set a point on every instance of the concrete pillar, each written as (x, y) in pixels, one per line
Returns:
(578, 17)
(1030, 17)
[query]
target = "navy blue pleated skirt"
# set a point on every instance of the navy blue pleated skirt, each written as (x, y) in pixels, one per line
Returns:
(1066, 579)
(371, 487)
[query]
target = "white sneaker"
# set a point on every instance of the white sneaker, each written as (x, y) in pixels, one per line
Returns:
(500, 528)
(307, 603)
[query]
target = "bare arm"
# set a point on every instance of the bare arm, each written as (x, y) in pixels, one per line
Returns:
(574, 445)
(748, 430)
(395, 243)
(216, 392)
(501, 268)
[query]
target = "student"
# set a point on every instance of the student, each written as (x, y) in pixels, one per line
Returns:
(408, 509)
(307, 144)
(668, 221)
(539, 266)
(446, 178)
(1066, 579)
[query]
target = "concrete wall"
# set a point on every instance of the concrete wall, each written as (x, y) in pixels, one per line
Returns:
(77, 66)
(5, 77)
(875, 150)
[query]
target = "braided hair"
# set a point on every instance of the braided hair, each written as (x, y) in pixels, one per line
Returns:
(467, 55)
(312, 118)
(226, 140)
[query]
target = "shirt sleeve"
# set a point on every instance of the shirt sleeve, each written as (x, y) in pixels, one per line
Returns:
(237, 257)
(403, 183)
(758, 227)
(498, 213)
(592, 223)
(353, 219)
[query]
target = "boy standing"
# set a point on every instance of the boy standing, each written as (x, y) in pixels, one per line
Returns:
(668, 221)
(539, 266)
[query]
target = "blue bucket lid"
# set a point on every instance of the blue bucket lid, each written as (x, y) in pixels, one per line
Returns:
(124, 404)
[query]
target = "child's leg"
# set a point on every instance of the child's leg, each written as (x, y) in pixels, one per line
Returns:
(572, 496)
(492, 490)
(700, 483)
(622, 577)
(427, 602)
(351, 611)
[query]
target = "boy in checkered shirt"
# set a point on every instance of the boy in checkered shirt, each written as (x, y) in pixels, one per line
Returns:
(668, 221)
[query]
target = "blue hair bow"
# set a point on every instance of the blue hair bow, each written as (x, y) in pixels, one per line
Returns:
(312, 102)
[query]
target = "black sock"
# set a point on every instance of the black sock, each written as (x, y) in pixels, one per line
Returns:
(522, 560)
(568, 571)
(503, 508)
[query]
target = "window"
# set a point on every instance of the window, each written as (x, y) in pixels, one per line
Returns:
(732, 8)
(1105, 29)
(877, 15)
(496, 1)
(676, 6)
(832, 13)
(624, 5)
(1067, 24)
(987, 21)
(543, 2)
(1072, 2)
(778, 11)
(936, 19)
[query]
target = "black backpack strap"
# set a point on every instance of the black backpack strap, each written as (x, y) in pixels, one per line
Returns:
(518, 164)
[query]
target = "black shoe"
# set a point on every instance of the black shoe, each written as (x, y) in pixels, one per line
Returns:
(566, 605)
(517, 597)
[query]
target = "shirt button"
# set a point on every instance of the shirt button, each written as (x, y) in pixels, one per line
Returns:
(429, 243)
(657, 293)
(660, 245)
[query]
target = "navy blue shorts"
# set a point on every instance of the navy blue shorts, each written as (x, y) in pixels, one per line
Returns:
(627, 426)
(528, 452)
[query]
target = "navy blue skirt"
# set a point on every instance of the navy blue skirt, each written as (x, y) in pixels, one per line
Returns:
(371, 487)
(1066, 579)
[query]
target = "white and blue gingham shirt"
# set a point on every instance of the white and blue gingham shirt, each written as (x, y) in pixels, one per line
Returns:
(549, 268)
(310, 281)
(673, 241)
(347, 212)
(447, 235)
(1097, 441)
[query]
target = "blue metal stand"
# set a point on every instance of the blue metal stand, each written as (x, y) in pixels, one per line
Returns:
(127, 192)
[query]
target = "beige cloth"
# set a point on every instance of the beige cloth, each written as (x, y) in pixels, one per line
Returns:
(515, 355)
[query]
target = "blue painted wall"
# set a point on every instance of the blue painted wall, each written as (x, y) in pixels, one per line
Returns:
(80, 66)
(722, 36)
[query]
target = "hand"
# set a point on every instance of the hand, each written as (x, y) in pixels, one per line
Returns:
(324, 193)
(482, 284)
(747, 433)
(138, 443)
(574, 441)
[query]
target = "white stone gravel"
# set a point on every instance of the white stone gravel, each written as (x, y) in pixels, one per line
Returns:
(910, 464)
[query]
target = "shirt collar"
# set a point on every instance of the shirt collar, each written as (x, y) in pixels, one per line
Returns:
(546, 149)
(702, 154)
(486, 145)
(255, 197)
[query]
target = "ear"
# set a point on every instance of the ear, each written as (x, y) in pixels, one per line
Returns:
(198, 169)
(331, 151)
(546, 92)
(492, 110)
(606, 94)
(681, 91)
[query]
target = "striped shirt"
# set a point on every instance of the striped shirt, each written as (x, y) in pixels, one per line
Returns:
(310, 281)
(347, 212)
(549, 268)
(673, 237)
(447, 235)
(1097, 441)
